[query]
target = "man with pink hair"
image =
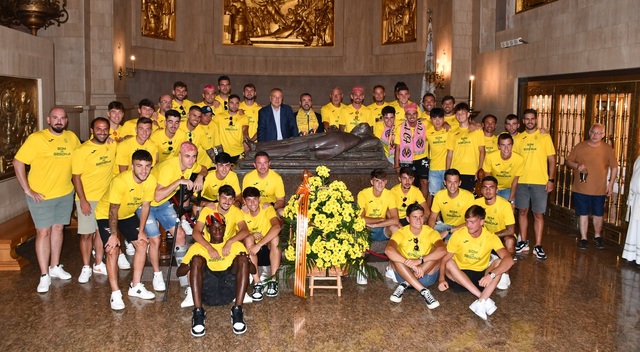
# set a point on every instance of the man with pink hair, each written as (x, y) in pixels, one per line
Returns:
(208, 96)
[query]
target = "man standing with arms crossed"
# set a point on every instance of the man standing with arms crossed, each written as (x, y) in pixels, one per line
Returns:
(536, 182)
(49, 190)
(592, 160)
(92, 171)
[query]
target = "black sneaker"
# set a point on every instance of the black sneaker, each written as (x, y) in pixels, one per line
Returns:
(522, 247)
(432, 302)
(272, 288)
(257, 292)
(237, 320)
(599, 242)
(396, 296)
(197, 322)
(583, 244)
(539, 252)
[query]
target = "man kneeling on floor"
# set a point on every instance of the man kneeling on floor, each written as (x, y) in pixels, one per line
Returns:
(466, 263)
(415, 252)
(217, 281)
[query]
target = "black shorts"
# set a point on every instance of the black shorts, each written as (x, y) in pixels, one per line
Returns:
(474, 276)
(129, 228)
(421, 168)
(218, 287)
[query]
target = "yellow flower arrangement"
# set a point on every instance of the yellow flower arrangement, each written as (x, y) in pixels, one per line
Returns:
(337, 235)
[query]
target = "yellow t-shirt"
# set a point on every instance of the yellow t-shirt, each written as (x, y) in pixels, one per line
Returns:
(251, 112)
(350, 117)
(167, 147)
(212, 184)
(182, 109)
(201, 139)
(129, 128)
(161, 120)
(425, 117)
(50, 159)
(230, 132)
(212, 138)
(271, 187)
(499, 215)
(115, 135)
(413, 196)
(504, 170)
(94, 163)
(466, 155)
(219, 264)
(128, 147)
(473, 253)
(130, 195)
(232, 218)
(452, 210)
(331, 114)
(376, 110)
(398, 137)
(222, 108)
(376, 207)
(437, 148)
(378, 130)
(168, 172)
(260, 223)
(534, 148)
(406, 243)
(490, 144)
(452, 121)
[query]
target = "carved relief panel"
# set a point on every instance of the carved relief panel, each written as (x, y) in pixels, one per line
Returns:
(159, 19)
(398, 21)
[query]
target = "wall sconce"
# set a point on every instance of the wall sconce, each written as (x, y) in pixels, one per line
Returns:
(33, 14)
(130, 73)
(435, 77)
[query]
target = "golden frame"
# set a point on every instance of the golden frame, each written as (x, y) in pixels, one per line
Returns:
(398, 21)
(158, 19)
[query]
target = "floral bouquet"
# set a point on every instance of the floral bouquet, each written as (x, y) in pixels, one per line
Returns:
(337, 235)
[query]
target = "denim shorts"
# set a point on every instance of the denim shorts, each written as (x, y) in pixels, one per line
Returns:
(163, 213)
(377, 234)
(426, 281)
(436, 181)
(505, 193)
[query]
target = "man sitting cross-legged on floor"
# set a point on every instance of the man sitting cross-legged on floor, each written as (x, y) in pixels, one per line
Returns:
(466, 263)
(415, 252)
(217, 281)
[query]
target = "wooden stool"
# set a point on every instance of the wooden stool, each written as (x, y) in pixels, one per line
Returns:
(321, 275)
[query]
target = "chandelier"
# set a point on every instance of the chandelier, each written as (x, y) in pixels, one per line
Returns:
(33, 14)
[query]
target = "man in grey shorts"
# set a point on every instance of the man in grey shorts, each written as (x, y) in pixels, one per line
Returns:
(92, 171)
(48, 190)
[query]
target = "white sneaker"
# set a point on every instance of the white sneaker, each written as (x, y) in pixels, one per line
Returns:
(116, 300)
(100, 269)
(85, 274)
(58, 272)
(123, 263)
(129, 248)
(45, 282)
(478, 307)
(188, 301)
(158, 282)
(188, 230)
(140, 292)
(490, 306)
(390, 274)
(505, 282)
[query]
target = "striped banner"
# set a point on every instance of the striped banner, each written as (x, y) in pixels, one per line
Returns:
(302, 228)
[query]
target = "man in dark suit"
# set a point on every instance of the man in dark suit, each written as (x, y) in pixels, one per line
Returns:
(276, 121)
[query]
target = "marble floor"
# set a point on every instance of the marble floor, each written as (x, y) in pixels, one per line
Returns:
(574, 301)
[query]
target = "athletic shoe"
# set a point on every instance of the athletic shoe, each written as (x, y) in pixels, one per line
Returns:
(197, 322)
(59, 273)
(85, 274)
(45, 282)
(188, 300)
(505, 282)
(237, 320)
(100, 269)
(489, 306)
(396, 296)
(257, 292)
(272, 288)
(140, 292)
(583, 244)
(188, 230)
(432, 302)
(522, 247)
(158, 282)
(123, 263)
(539, 252)
(599, 242)
(183, 280)
(116, 300)
(479, 308)
(391, 274)
(129, 248)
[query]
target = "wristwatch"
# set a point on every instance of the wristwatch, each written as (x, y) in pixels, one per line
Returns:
(552, 180)
(492, 275)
